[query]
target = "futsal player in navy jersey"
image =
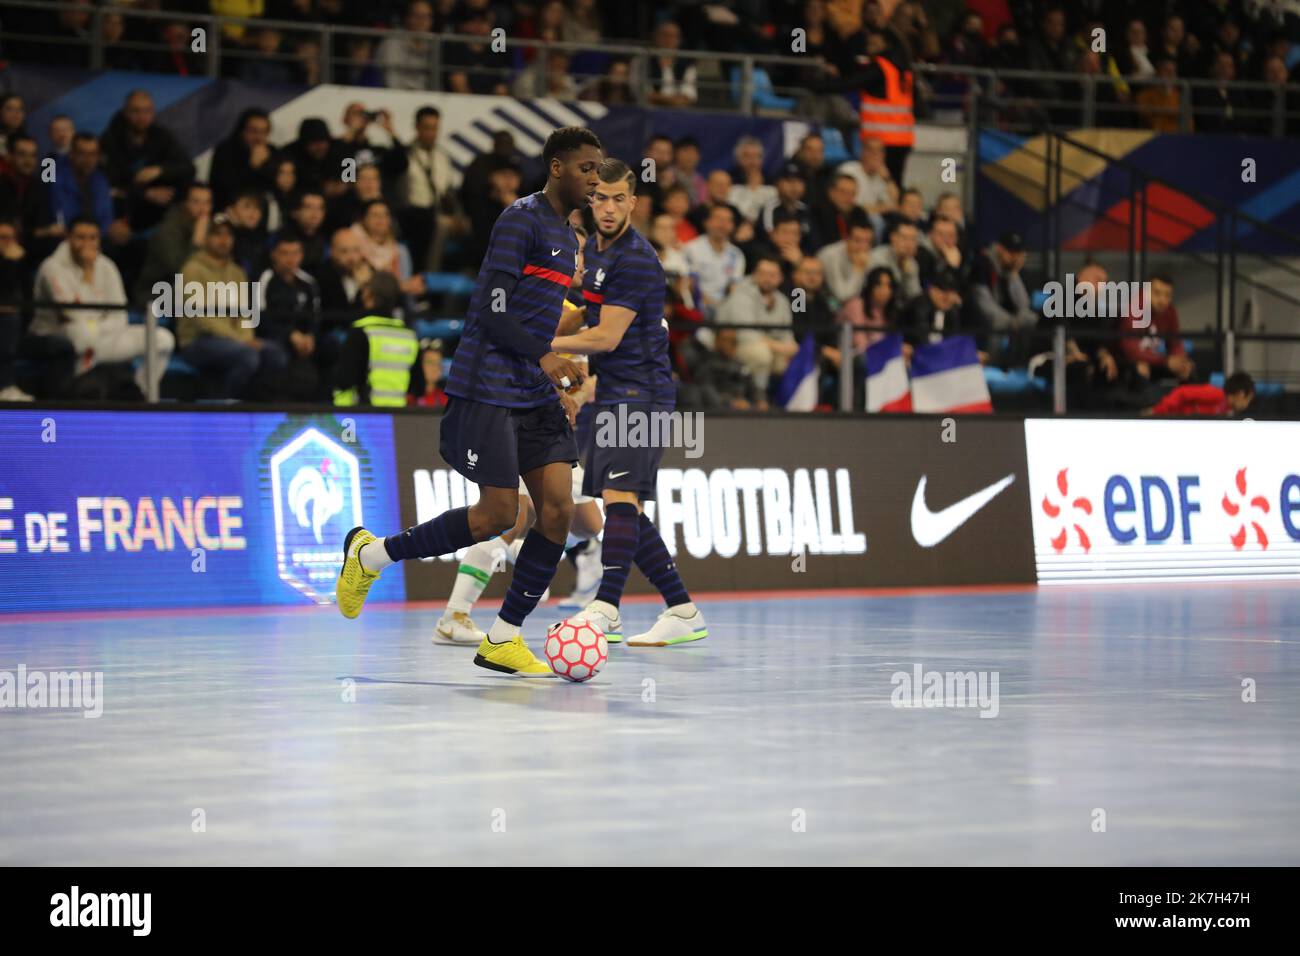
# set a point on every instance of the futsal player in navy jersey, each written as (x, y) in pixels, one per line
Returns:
(504, 420)
(624, 289)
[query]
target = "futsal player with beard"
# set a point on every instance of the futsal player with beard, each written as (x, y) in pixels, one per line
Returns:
(624, 289)
(504, 420)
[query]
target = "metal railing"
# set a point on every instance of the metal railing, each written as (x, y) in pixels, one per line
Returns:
(332, 53)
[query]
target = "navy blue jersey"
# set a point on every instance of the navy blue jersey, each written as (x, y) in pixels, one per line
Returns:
(629, 274)
(531, 242)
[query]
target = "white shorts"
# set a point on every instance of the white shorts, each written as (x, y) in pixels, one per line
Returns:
(578, 497)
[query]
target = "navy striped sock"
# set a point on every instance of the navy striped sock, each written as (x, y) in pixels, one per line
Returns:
(534, 568)
(616, 550)
(445, 534)
(658, 566)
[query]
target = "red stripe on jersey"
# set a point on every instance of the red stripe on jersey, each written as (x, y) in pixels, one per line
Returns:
(549, 274)
(593, 296)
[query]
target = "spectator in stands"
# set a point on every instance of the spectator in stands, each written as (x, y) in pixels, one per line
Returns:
(180, 235)
(546, 23)
(834, 214)
(247, 220)
(502, 188)
(306, 224)
(61, 131)
(1234, 400)
(810, 157)
(877, 192)
(781, 244)
(1134, 56)
(283, 194)
(428, 380)
(876, 308)
(677, 203)
(348, 208)
(1221, 108)
(677, 270)
(721, 380)
(244, 159)
(813, 313)
(939, 251)
(1110, 93)
(790, 191)
(464, 62)
(911, 209)
(1273, 70)
(237, 33)
(1160, 104)
(898, 255)
(78, 272)
(1176, 44)
(13, 120)
(356, 143)
(177, 55)
(934, 313)
(750, 191)
(429, 209)
(1161, 354)
(659, 150)
(405, 58)
(715, 262)
(844, 263)
(270, 66)
(614, 88)
(81, 188)
(999, 298)
(290, 301)
(686, 168)
(967, 46)
(13, 281)
(146, 164)
(757, 300)
(553, 81)
(222, 346)
(1092, 374)
(583, 23)
(24, 198)
(343, 276)
(379, 245)
(718, 193)
(672, 79)
(358, 67)
(318, 158)
(1051, 51)
(948, 206)
(375, 366)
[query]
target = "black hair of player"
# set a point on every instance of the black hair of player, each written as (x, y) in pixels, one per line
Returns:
(615, 170)
(567, 139)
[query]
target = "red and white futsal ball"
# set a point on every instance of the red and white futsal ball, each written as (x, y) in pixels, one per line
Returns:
(576, 650)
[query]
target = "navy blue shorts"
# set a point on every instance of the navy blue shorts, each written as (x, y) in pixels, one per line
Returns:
(493, 445)
(612, 460)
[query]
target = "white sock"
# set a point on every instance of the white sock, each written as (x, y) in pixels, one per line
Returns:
(374, 556)
(685, 610)
(572, 541)
(469, 586)
(512, 552)
(500, 632)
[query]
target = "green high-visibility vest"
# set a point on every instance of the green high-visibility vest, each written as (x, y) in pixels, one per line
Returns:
(393, 350)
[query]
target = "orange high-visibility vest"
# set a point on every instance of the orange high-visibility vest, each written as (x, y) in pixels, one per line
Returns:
(890, 119)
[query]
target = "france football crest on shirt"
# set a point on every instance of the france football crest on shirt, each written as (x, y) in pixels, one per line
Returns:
(316, 490)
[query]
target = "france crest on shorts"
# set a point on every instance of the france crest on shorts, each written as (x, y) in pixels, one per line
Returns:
(316, 490)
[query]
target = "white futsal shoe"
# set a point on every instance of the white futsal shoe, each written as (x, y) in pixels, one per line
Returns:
(606, 618)
(677, 625)
(589, 572)
(457, 627)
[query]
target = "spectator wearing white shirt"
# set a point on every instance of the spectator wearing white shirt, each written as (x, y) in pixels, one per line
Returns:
(845, 263)
(899, 257)
(750, 191)
(403, 58)
(428, 209)
(671, 80)
(877, 191)
(78, 272)
(715, 261)
(758, 300)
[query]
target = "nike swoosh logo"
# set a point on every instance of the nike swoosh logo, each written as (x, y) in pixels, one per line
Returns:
(617, 474)
(526, 594)
(611, 567)
(931, 527)
(555, 252)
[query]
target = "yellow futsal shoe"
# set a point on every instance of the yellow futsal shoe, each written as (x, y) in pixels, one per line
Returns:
(354, 581)
(513, 657)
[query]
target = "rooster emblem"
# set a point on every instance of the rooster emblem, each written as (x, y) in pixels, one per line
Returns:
(315, 497)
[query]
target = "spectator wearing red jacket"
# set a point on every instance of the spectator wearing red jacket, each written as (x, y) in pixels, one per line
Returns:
(1161, 353)
(1233, 400)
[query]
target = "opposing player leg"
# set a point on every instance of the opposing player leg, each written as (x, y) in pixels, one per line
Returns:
(477, 566)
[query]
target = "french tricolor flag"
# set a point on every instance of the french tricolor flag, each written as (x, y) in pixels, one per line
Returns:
(798, 389)
(947, 377)
(887, 376)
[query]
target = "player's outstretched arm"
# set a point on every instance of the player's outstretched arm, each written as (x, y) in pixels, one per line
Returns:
(615, 320)
(508, 333)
